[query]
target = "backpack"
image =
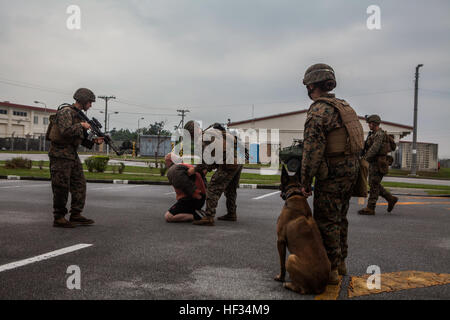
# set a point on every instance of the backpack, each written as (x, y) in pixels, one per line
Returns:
(389, 144)
(53, 133)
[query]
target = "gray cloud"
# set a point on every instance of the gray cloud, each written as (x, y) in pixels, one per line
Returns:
(217, 58)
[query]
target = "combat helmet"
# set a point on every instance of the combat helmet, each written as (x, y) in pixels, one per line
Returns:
(190, 126)
(317, 73)
(373, 118)
(84, 95)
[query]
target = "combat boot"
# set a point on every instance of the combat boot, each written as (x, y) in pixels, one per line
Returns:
(78, 219)
(228, 217)
(334, 277)
(204, 221)
(61, 222)
(392, 200)
(342, 268)
(367, 211)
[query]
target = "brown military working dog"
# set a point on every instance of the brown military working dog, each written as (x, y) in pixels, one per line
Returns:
(307, 264)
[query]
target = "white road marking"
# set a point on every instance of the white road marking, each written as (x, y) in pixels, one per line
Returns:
(23, 186)
(266, 195)
(44, 256)
(117, 187)
(173, 192)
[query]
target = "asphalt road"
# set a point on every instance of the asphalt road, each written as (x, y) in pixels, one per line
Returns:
(135, 254)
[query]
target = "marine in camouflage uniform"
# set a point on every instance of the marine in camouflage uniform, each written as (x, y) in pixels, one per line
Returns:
(66, 132)
(375, 149)
(224, 181)
(332, 161)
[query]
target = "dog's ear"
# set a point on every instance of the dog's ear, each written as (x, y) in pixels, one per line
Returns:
(284, 176)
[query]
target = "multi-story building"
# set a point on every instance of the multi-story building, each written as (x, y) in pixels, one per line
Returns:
(427, 156)
(21, 121)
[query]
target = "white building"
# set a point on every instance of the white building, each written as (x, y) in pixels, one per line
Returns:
(21, 121)
(427, 156)
(291, 126)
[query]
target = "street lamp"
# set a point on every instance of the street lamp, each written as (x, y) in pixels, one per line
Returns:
(414, 144)
(43, 121)
(109, 115)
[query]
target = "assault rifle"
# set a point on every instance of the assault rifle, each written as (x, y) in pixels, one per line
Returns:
(366, 146)
(96, 130)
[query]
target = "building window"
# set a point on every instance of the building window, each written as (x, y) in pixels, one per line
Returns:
(36, 119)
(20, 113)
(45, 120)
(3, 111)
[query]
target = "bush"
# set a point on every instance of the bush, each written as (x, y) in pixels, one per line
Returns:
(18, 163)
(97, 163)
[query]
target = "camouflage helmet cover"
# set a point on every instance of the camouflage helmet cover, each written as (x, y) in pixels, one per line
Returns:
(84, 95)
(373, 118)
(317, 73)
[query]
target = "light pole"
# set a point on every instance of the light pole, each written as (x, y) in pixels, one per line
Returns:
(45, 105)
(414, 145)
(138, 132)
(107, 132)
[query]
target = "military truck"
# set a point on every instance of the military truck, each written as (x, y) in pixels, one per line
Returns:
(292, 156)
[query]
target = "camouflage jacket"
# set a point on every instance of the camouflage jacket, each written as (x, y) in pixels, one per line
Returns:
(321, 119)
(374, 143)
(69, 125)
(227, 163)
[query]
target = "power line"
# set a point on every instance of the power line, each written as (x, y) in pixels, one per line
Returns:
(436, 91)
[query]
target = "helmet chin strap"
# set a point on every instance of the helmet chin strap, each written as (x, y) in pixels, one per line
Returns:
(310, 89)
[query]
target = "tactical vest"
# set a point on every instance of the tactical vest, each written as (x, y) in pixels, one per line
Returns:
(349, 139)
(54, 134)
(224, 135)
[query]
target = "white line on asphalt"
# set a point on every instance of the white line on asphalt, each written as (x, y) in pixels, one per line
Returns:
(117, 187)
(266, 195)
(23, 186)
(173, 192)
(44, 256)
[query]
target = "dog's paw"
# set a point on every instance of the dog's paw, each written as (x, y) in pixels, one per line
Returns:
(279, 278)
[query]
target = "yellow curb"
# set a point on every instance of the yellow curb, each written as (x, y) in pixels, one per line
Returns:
(396, 281)
(331, 292)
(410, 203)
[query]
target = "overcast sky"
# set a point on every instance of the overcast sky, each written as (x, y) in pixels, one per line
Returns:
(218, 58)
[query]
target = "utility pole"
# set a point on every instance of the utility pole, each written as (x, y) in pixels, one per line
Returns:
(182, 114)
(106, 98)
(414, 145)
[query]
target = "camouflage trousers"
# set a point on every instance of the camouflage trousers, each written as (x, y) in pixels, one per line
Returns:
(331, 203)
(67, 176)
(224, 180)
(376, 189)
